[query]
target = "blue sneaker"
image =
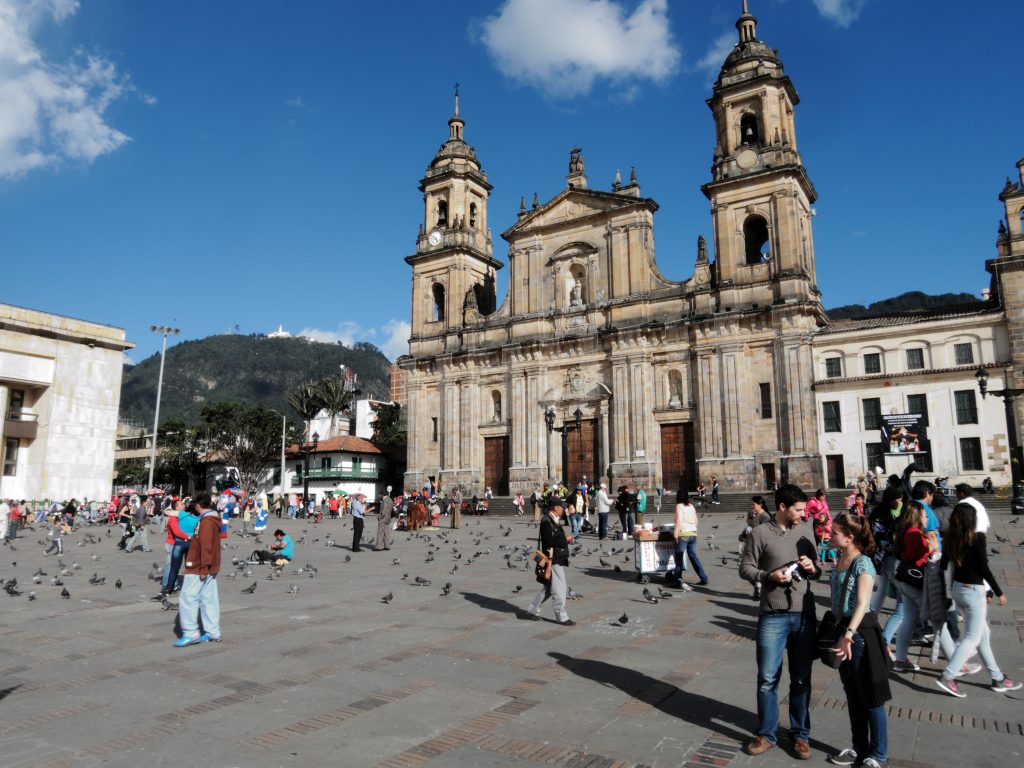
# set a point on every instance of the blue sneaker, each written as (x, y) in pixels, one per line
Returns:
(207, 638)
(181, 642)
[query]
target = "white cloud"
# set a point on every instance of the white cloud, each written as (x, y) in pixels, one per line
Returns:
(842, 12)
(719, 49)
(51, 111)
(392, 339)
(563, 46)
(396, 343)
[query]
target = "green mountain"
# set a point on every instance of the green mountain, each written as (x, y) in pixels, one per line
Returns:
(912, 301)
(243, 369)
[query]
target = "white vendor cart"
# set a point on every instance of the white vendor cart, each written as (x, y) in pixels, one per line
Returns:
(654, 552)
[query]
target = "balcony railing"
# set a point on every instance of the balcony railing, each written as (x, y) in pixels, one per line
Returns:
(21, 424)
(338, 473)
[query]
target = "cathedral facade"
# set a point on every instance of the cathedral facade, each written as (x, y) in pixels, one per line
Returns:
(595, 365)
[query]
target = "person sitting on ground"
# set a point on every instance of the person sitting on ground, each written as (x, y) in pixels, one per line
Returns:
(280, 552)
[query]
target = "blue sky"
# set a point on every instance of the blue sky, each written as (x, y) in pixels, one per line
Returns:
(213, 163)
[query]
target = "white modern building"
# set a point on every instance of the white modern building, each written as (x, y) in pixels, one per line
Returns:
(60, 387)
(919, 363)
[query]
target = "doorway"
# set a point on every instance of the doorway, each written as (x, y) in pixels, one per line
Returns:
(835, 471)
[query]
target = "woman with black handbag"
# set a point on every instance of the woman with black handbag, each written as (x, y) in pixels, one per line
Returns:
(865, 664)
(913, 551)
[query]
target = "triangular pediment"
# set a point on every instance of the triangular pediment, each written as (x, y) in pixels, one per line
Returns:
(573, 205)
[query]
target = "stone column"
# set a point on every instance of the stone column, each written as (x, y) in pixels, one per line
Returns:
(519, 413)
(620, 413)
(603, 416)
(554, 455)
(450, 427)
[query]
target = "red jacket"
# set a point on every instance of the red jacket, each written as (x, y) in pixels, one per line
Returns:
(174, 532)
(914, 547)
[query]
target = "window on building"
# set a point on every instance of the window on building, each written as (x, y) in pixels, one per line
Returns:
(357, 465)
(438, 302)
(872, 363)
(433, 422)
(749, 133)
(766, 400)
(970, 454)
(833, 367)
(325, 462)
(15, 404)
(964, 354)
(915, 359)
(833, 422)
(918, 404)
(875, 456)
(11, 456)
(472, 215)
(966, 407)
(755, 238)
(872, 413)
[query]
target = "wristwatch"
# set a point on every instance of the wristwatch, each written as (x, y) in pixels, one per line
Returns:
(849, 632)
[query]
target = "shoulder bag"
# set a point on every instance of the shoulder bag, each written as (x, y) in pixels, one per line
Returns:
(831, 630)
(542, 570)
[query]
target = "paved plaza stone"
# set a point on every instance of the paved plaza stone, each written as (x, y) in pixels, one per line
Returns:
(331, 675)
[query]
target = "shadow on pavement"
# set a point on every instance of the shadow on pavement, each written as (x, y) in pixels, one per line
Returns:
(704, 712)
(497, 603)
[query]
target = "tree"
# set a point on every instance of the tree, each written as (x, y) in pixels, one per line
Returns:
(179, 455)
(245, 438)
(335, 394)
(389, 424)
(307, 401)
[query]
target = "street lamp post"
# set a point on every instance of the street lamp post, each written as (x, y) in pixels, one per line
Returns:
(1016, 455)
(565, 429)
(164, 330)
(305, 473)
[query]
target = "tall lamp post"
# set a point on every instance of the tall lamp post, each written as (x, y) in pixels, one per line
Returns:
(1016, 455)
(305, 473)
(565, 429)
(284, 432)
(165, 331)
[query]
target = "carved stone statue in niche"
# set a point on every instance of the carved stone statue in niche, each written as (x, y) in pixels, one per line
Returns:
(576, 292)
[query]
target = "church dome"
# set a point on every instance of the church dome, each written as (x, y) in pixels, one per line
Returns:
(749, 51)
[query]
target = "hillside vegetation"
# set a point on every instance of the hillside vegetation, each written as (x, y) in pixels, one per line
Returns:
(243, 369)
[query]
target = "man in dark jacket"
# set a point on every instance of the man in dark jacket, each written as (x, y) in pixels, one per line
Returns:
(555, 546)
(199, 594)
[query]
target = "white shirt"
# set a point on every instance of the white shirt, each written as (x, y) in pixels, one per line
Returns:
(5, 511)
(983, 522)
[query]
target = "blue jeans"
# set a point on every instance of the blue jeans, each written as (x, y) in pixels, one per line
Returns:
(887, 576)
(199, 597)
(911, 612)
(576, 520)
(175, 557)
(687, 545)
(795, 634)
(869, 725)
(970, 598)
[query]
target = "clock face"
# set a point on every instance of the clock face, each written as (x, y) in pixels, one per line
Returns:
(435, 237)
(746, 158)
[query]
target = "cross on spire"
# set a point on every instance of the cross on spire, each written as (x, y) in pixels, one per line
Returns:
(456, 98)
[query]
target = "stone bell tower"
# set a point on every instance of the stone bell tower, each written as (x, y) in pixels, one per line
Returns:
(760, 193)
(453, 267)
(1007, 271)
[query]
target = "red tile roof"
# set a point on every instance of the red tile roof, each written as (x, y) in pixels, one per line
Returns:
(348, 443)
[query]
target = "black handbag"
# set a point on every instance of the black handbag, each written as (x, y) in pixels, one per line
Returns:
(910, 574)
(831, 631)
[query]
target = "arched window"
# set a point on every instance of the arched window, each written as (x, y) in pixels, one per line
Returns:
(472, 215)
(755, 239)
(749, 132)
(438, 302)
(496, 403)
(442, 213)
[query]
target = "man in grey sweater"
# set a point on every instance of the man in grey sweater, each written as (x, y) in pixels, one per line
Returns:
(781, 556)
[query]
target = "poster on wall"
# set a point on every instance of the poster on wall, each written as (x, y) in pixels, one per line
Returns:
(905, 433)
